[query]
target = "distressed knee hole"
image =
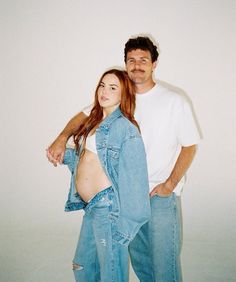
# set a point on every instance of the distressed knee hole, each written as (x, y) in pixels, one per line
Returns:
(77, 266)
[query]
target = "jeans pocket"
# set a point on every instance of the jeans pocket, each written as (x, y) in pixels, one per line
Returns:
(164, 202)
(164, 197)
(114, 216)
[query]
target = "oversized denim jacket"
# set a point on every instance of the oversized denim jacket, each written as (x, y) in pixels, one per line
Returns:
(122, 155)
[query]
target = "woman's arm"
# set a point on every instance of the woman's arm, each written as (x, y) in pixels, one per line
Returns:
(55, 152)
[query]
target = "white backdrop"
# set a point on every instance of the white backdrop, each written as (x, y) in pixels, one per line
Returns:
(52, 53)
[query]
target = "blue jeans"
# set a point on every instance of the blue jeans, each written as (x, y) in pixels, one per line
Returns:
(155, 251)
(97, 256)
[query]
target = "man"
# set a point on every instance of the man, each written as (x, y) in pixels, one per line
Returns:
(170, 137)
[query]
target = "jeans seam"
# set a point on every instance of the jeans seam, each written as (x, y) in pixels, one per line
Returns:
(174, 234)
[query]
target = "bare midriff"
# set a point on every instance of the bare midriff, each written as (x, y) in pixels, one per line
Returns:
(90, 178)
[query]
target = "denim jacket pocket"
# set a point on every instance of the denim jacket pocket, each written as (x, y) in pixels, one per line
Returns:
(113, 154)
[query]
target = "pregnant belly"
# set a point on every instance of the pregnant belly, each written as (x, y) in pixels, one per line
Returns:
(91, 178)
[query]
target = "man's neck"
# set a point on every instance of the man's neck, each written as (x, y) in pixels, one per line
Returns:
(145, 87)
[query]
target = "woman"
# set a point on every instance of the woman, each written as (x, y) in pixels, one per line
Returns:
(109, 181)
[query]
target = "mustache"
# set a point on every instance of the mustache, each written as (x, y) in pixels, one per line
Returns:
(135, 70)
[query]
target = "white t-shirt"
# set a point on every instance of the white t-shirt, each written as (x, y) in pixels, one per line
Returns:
(166, 123)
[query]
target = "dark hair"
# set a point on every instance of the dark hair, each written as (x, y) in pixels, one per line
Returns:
(143, 43)
(127, 107)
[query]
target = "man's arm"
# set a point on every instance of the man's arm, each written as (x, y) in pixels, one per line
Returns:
(181, 166)
(56, 150)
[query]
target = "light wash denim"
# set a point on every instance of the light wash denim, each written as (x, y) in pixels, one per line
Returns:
(111, 222)
(98, 256)
(155, 251)
(122, 155)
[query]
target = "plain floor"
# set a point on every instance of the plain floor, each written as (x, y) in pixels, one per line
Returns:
(34, 257)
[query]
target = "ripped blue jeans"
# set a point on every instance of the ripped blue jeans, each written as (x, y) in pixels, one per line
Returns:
(98, 257)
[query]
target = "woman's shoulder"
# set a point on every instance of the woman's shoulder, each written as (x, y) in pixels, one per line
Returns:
(125, 126)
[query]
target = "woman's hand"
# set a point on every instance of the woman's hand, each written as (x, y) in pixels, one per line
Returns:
(55, 152)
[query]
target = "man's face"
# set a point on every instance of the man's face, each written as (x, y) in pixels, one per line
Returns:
(139, 66)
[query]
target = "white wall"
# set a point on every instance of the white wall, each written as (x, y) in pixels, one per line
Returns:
(52, 54)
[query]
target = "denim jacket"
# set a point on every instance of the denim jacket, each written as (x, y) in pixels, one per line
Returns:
(122, 155)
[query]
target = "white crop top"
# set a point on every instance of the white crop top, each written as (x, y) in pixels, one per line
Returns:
(91, 144)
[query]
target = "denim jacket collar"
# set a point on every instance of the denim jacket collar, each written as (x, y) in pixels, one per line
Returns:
(109, 119)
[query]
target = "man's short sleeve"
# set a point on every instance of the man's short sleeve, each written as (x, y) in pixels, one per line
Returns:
(187, 130)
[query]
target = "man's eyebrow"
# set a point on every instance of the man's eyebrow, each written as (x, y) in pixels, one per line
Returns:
(133, 58)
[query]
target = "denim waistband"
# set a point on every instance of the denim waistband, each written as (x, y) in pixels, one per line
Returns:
(97, 198)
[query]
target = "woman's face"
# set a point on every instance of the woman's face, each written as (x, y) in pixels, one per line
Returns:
(109, 93)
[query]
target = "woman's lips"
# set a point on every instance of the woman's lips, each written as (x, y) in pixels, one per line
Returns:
(104, 98)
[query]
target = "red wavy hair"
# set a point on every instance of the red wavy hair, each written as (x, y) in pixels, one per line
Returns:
(127, 107)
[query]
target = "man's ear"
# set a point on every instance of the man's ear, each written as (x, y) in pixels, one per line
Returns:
(154, 65)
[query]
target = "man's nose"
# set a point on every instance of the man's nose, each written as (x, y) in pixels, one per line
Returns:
(136, 64)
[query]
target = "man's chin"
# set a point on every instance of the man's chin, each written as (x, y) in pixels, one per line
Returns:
(137, 80)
